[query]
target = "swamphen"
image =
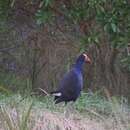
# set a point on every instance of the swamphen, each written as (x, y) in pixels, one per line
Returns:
(72, 83)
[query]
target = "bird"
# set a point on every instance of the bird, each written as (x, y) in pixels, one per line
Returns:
(71, 84)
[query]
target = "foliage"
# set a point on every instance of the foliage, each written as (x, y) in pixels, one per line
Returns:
(4, 7)
(111, 17)
(126, 62)
(9, 82)
(98, 19)
(43, 16)
(115, 21)
(92, 37)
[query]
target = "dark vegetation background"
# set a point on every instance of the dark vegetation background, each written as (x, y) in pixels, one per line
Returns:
(40, 40)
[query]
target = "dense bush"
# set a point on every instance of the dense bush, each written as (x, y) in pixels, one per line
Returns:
(112, 17)
(99, 22)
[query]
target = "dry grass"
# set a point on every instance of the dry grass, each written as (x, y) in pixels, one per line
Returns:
(43, 119)
(57, 121)
(46, 120)
(30, 116)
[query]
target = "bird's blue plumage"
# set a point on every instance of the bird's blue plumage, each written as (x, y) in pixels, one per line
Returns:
(71, 84)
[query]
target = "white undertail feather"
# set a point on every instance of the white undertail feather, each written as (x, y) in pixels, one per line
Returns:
(57, 94)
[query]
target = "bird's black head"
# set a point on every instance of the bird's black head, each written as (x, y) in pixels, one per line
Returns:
(84, 58)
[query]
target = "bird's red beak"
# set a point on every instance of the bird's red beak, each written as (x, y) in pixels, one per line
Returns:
(87, 59)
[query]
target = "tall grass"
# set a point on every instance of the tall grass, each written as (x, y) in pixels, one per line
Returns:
(13, 118)
(92, 112)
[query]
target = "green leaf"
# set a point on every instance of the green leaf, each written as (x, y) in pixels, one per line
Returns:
(48, 2)
(43, 16)
(96, 40)
(106, 26)
(114, 27)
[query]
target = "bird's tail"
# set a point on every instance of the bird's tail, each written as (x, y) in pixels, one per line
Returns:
(57, 96)
(56, 93)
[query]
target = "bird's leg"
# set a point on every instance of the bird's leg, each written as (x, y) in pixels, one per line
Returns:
(72, 110)
(69, 109)
(72, 107)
